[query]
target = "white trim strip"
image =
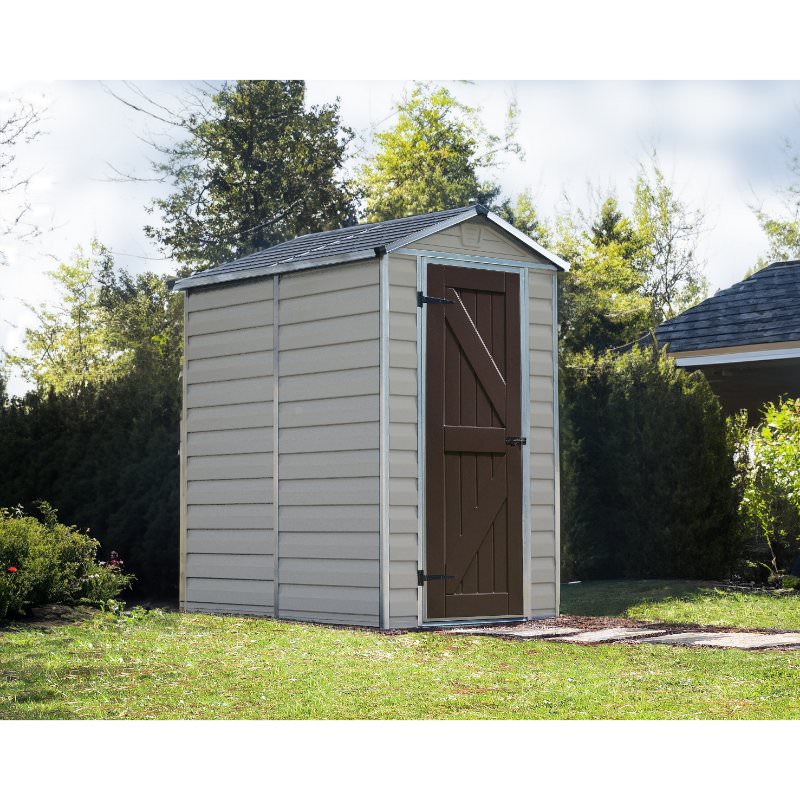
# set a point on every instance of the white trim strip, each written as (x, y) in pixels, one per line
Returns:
(525, 430)
(276, 352)
(737, 358)
(421, 513)
(462, 257)
(384, 615)
(556, 451)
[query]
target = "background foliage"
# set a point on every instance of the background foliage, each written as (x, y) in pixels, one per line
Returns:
(648, 472)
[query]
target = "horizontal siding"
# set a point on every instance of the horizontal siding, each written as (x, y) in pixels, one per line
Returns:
(228, 411)
(228, 467)
(254, 542)
(542, 464)
(222, 591)
(328, 445)
(231, 566)
(229, 417)
(403, 512)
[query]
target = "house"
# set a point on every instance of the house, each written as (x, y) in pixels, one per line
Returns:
(370, 427)
(745, 339)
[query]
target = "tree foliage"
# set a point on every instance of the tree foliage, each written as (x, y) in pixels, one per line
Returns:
(667, 231)
(251, 166)
(648, 472)
(783, 230)
(770, 478)
(628, 271)
(99, 436)
(432, 157)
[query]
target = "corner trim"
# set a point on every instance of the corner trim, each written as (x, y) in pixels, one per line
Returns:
(276, 360)
(556, 453)
(183, 456)
(384, 611)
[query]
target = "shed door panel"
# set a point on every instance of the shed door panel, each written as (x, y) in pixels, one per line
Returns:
(474, 479)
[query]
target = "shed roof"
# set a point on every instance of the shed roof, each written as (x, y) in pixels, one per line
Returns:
(762, 308)
(353, 244)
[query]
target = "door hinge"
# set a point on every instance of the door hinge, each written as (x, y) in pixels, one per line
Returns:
(436, 301)
(516, 441)
(422, 577)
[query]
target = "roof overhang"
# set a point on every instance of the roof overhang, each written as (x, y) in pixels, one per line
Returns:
(733, 356)
(204, 279)
(246, 273)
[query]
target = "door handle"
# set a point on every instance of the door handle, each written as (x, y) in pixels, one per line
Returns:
(516, 441)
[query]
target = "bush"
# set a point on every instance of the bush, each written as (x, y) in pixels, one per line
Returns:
(647, 472)
(44, 561)
(768, 468)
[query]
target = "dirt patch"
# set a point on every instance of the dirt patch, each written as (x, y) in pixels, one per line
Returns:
(49, 616)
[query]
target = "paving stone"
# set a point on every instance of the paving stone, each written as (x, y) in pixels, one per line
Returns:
(740, 641)
(607, 635)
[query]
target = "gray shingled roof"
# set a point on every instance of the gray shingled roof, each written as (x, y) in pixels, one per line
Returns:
(762, 308)
(342, 241)
(353, 243)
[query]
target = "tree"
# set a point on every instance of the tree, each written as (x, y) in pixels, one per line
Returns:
(69, 348)
(431, 158)
(602, 300)
(251, 167)
(20, 124)
(783, 230)
(668, 232)
(106, 324)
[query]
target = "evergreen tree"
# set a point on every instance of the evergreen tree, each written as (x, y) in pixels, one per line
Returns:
(252, 167)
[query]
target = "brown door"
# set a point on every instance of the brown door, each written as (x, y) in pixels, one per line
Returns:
(473, 474)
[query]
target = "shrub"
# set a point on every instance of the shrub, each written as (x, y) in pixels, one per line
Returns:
(45, 561)
(647, 472)
(768, 459)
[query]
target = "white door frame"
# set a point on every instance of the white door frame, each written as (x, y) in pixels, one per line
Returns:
(456, 260)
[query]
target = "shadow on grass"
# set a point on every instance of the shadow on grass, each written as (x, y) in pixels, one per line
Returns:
(615, 598)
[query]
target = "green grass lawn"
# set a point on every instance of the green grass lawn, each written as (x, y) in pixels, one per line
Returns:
(690, 602)
(204, 667)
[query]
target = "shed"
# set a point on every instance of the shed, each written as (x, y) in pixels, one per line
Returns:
(370, 426)
(745, 339)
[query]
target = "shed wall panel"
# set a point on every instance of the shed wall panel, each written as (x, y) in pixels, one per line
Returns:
(544, 572)
(403, 511)
(328, 444)
(228, 417)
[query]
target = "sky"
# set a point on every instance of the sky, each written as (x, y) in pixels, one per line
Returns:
(719, 144)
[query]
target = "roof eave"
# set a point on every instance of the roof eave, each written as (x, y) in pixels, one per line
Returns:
(246, 273)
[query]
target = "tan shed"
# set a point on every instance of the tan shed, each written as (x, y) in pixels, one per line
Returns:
(370, 426)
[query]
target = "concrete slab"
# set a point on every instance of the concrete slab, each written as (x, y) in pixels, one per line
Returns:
(607, 635)
(541, 633)
(739, 641)
(518, 633)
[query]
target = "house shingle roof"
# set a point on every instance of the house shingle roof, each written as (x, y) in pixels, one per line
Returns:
(762, 308)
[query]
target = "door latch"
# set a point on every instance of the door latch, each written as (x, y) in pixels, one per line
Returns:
(436, 301)
(422, 577)
(516, 441)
